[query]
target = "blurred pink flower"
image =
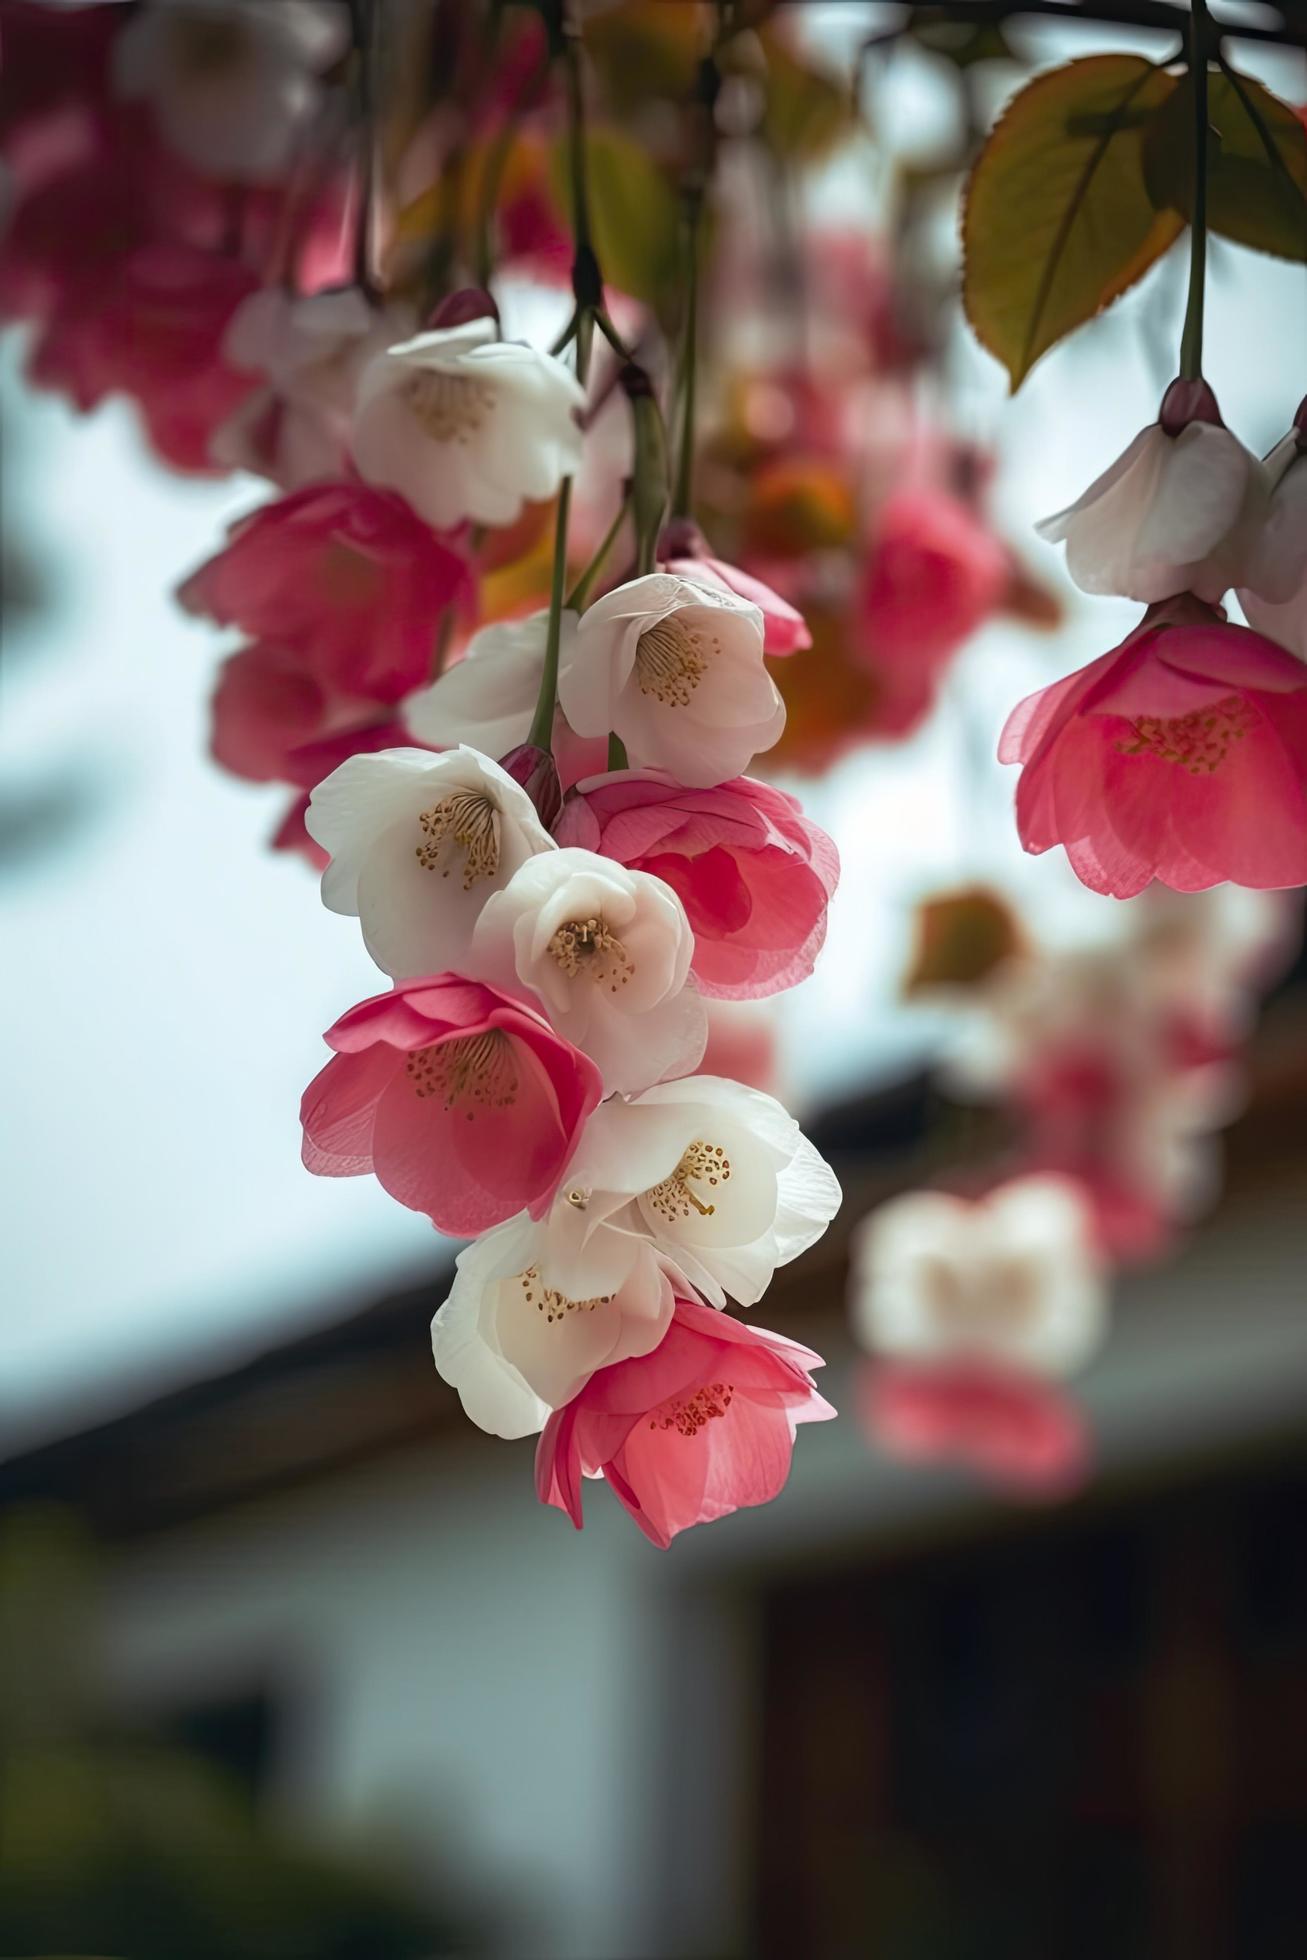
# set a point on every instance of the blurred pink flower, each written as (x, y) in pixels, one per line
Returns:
(934, 573)
(343, 574)
(754, 874)
(465, 1104)
(702, 1426)
(1016, 1430)
(1181, 755)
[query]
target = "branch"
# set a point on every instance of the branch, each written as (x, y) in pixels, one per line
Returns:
(1164, 14)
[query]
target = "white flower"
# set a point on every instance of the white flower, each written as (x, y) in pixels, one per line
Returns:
(1012, 1278)
(606, 952)
(232, 82)
(1273, 591)
(1172, 514)
(312, 349)
(418, 842)
(676, 670)
(520, 1334)
(488, 697)
(466, 426)
(719, 1177)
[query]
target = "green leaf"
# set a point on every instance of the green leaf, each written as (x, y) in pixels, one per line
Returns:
(1058, 221)
(807, 112)
(1256, 164)
(634, 213)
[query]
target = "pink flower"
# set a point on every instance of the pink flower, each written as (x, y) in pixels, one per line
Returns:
(265, 705)
(1181, 756)
(687, 555)
(1012, 1428)
(465, 1104)
(753, 873)
(342, 573)
(933, 575)
(702, 1426)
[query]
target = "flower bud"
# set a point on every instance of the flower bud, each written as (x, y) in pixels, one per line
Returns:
(456, 309)
(537, 772)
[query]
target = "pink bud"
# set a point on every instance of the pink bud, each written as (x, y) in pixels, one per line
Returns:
(1185, 402)
(469, 303)
(537, 772)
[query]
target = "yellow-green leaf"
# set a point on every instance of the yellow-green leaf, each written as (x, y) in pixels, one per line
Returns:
(634, 214)
(1058, 220)
(807, 112)
(1256, 164)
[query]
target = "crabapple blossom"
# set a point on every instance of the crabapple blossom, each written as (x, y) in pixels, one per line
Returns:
(418, 842)
(487, 697)
(675, 669)
(1273, 588)
(1023, 1434)
(231, 82)
(1011, 1279)
(465, 426)
(934, 573)
(1176, 512)
(606, 953)
(524, 1328)
(719, 1177)
(754, 874)
(465, 1104)
(1181, 756)
(685, 554)
(700, 1426)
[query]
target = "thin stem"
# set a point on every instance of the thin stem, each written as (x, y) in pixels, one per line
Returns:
(1164, 14)
(578, 598)
(541, 734)
(1191, 340)
(683, 495)
(366, 19)
(617, 756)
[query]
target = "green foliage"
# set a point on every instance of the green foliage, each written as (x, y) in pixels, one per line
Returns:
(1256, 164)
(634, 213)
(1058, 220)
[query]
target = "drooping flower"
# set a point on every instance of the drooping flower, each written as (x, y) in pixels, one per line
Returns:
(701, 1426)
(465, 1104)
(232, 83)
(1012, 1279)
(265, 705)
(343, 574)
(487, 698)
(685, 554)
(675, 669)
(754, 874)
(307, 352)
(1175, 513)
(719, 1177)
(523, 1329)
(1181, 756)
(933, 575)
(418, 843)
(606, 952)
(467, 427)
(1273, 586)
(1024, 1434)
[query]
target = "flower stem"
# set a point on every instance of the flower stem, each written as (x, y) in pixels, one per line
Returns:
(366, 23)
(1191, 340)
(617, 756)
(683, 496)
(579, 597)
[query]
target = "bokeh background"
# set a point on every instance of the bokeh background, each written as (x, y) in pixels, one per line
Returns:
(293, 1662)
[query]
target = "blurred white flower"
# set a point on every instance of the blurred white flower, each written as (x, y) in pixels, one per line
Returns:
(467, 427)
(418, 842)
(605, 952)
(675, 669)
(1011, 1279)
(232, 83)
(1273, 589)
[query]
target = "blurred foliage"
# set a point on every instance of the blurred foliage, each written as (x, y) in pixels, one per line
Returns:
(121, 1847)
(634, 213)
(959, 938)
(1256, 166)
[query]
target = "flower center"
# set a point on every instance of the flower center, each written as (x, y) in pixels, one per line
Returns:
(450, 407)
(585, 946)
(467, 820)
(204, 45)
(477, 1068)
(550, 1302)
(701, 1163)
(689, 1417)
(671, 658)
(1199, 742)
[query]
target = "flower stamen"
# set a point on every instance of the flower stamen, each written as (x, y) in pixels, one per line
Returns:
(476, 1068)
(701, 1163)
(671, 659)
(689, 1417)
(450, 407)
(550, 1302)
(586, 946)
(1199, 742)
(469, 820)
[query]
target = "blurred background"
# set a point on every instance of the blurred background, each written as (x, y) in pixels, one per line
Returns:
(292, 1663)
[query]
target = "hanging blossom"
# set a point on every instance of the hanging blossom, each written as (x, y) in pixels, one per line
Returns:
(702, 1426)
(972, 1307)
(1181, 756)
(465, 1104)
(754, 874)
(418, 843)
(1273, 586)
(1177, 511)
(685, 554)
(606, 954)
(468, 427)
(232, 83)
(675, 670)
